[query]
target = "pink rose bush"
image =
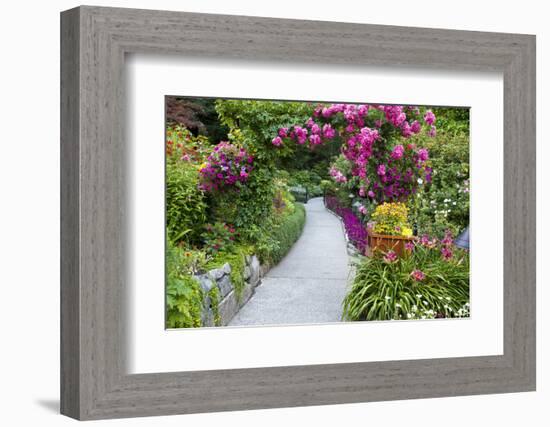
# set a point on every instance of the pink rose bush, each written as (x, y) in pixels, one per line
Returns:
(380, 168)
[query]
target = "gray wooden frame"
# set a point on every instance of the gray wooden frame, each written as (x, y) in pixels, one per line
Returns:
(94, 382)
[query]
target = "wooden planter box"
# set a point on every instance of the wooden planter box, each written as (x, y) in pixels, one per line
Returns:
(385, 243)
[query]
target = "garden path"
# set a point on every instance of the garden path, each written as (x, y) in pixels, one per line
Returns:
(309, 284)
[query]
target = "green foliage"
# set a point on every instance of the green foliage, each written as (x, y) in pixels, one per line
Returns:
(384, 290)
(445, 203)
(214, 295)
(309, 180)
(285, 235)
(452, 120)
(184, 296)
(235, 257)
(185, 203)
(182, 144)
(250, 207)
(218, 237)
(258, 123)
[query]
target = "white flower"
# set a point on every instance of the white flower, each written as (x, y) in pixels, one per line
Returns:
(448, 298)
(418, 296)
(398, 305)
(387, 297)
(420, 181)
(425, 302)
(454, 203)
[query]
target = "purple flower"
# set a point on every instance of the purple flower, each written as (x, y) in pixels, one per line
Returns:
(283, 132)
(415, 127)
(370, 194)
(429, 118)
(381, 170)
(432, 132)
(409, 246)
(418, 275)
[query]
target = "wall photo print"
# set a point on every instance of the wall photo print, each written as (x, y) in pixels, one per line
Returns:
(308, 212)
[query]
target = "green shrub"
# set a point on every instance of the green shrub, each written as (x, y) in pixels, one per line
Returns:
(421, 285)
(285, 235)
(445, 202)
(184, 296)
(308, 180)
(258, 123)
(218, 237)
(185, 203)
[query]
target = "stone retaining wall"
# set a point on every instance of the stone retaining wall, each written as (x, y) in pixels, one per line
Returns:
(229, 302)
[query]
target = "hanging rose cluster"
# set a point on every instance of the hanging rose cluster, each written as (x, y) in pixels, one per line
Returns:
(226, 166)
(380, 169)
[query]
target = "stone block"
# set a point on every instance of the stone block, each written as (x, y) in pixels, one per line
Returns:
(225, 285)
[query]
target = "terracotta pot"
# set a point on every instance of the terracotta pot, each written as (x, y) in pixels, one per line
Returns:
(385, 243)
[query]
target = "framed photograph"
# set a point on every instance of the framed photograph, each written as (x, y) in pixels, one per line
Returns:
(261, 213)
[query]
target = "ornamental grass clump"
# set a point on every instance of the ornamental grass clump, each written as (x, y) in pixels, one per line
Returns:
(426, 283)
(391, 219)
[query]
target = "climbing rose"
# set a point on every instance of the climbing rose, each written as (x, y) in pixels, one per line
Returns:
(277, 141)
(397, 152)
(315, 139)
(283, 132)
(415, 126)
(423, 154)
(301, 134)
(337, 175)
(328, 131)
(429, 117)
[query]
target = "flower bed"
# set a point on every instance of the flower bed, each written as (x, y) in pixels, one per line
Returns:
(430, 281)
(356, 232)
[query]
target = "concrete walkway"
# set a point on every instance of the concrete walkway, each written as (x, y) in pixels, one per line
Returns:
(309, 284)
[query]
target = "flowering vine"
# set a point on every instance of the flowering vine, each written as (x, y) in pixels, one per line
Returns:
(381, 169)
